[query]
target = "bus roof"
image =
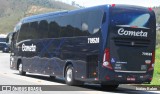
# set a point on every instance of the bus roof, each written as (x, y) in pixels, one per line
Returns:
(61, 13)
(26, 19)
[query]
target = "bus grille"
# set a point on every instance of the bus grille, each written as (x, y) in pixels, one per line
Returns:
(131, 42)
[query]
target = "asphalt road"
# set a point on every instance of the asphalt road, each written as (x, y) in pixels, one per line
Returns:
(10, 77)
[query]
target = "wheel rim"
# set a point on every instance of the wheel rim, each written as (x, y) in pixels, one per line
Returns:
(20, 67)
(69, 75)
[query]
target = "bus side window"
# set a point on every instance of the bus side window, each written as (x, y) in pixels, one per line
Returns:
(88, 22)
(85, 24)
(70, 28)
(54, 30)
(43, 29)
(104, 17)
(66, 26)
(23, 34)
(33, 30)
(77, 25)
(14, 40)
(94, 25)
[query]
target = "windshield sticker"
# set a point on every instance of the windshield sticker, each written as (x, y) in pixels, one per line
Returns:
(113, 60)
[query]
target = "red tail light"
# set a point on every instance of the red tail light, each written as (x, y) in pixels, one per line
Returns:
(152, 62)
(106, 59)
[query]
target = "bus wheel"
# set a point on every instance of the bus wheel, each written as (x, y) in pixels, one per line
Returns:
(109, 87)
(20, 69)
(69, 75)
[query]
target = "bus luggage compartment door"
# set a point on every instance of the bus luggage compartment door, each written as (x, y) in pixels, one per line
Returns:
(92, 64)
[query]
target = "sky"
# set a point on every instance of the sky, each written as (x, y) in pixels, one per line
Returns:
(89, 3)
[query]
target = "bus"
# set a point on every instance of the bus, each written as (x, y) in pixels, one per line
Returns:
(107, 45)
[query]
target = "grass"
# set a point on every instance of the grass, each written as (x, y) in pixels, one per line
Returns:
(156, 76)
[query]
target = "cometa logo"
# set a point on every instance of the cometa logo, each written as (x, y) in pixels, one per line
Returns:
(124, 32)
(28, 48)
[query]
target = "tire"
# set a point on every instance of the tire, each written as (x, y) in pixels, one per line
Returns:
(20, 69)
(3, 51)
(69, 75)
(109, 87)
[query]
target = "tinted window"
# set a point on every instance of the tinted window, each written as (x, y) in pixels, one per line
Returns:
(43, 29)
(104, 17)
(77, 25)
(14, 39)
(2, 39)
(81, 24)
(33, 33)
(130, 17)
(23, 34)
(87, 23)
(95, 20)
(66, 28)
(54, 30)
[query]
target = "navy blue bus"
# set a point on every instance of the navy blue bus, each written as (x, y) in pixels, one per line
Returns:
(107, 44)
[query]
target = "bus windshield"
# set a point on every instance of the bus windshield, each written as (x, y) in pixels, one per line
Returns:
(130, 18)
(2, 39)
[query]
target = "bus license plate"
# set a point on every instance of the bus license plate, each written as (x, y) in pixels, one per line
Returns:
(130, 79)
